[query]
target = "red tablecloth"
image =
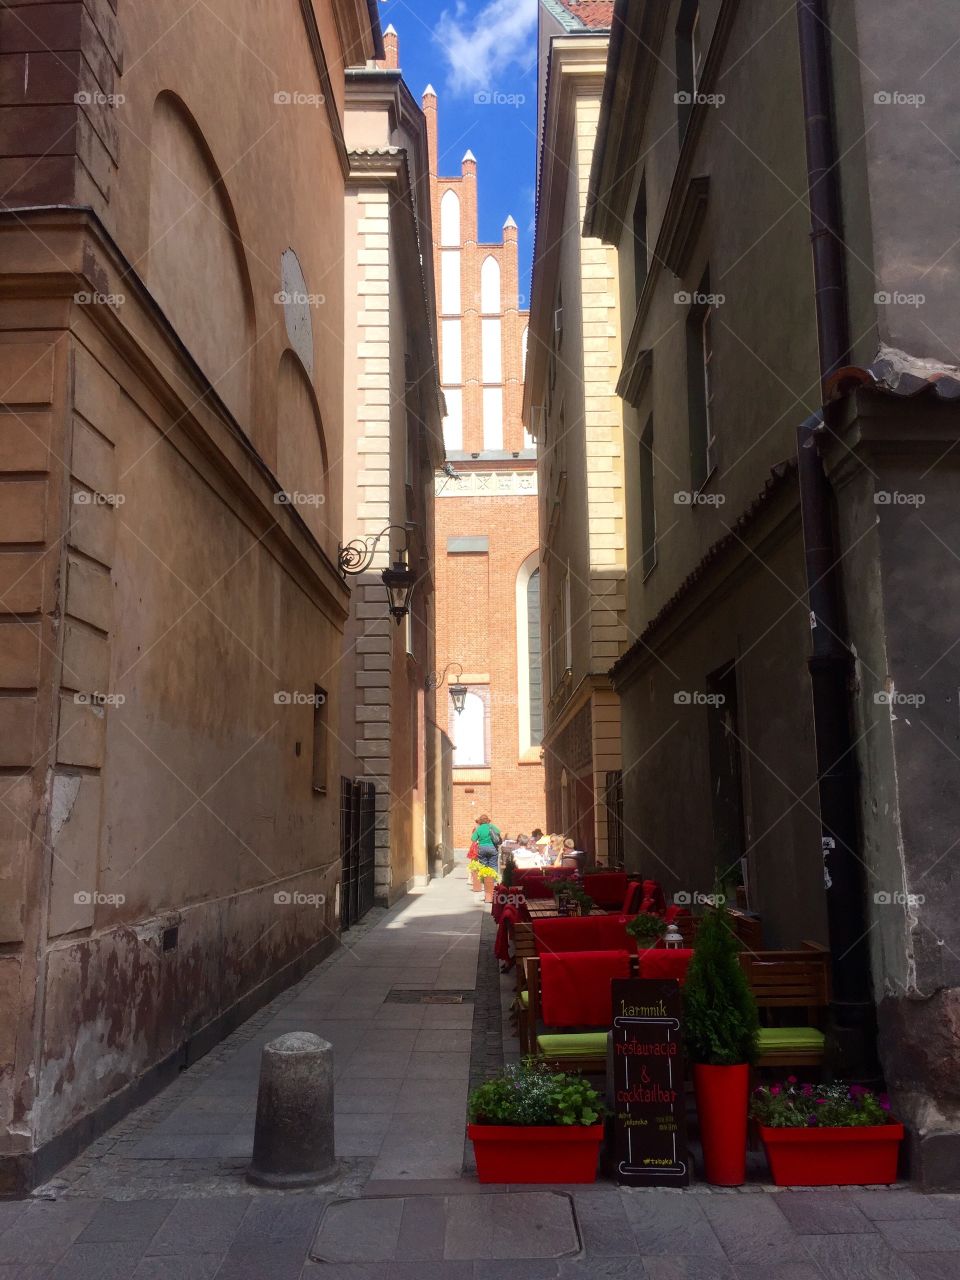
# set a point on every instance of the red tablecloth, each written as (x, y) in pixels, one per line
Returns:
(606, 888)
(666, 962)
(575, 987)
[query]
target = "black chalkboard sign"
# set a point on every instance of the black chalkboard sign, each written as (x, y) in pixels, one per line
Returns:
(645, 1082)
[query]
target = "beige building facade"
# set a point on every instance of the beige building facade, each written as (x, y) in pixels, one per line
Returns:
(171, 375)
(570, 404)
(393, 411)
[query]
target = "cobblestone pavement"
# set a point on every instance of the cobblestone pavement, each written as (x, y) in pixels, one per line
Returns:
(163, 1195)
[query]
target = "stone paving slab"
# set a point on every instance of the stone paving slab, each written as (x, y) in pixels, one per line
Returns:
(428, 1229)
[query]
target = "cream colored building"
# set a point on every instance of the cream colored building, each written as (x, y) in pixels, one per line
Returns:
(571, 406)
(393, 446)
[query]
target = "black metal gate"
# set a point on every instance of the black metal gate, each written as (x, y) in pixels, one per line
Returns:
(358, 812)
(613, 796)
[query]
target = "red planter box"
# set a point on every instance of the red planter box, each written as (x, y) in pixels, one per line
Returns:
(536, 1153)
(822, 1157)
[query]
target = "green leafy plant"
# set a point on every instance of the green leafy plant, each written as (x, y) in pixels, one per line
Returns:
(572, 891)
(792, 1105)
(646, 928)
(508, 873)
(720, 1013)
(527, 1093)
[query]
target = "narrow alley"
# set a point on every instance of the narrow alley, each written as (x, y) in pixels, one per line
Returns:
(413, 1005)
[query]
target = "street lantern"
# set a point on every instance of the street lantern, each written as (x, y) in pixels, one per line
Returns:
(458, 691)
(399, 579)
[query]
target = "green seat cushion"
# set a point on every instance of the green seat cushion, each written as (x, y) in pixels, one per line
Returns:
(575, 1044)
(525, 999)
(780, 1039)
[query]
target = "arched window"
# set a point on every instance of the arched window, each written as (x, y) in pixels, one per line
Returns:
(490, 286)
(470, 733)
(529, 673)
(450, 219)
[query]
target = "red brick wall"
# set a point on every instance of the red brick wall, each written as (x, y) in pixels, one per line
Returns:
(476, 591)
(477, 627)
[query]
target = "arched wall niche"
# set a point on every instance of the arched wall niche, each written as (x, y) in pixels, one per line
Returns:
(196, 266)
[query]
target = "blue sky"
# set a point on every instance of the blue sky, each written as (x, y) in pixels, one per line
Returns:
(472, 50)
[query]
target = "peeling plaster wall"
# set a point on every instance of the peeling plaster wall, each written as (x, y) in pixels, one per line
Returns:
(154, 597)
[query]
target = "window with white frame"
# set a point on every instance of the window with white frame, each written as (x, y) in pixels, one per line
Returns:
(450, 219)
(469, 732)
(493, 417)
(453, 422)
(529, 664)
(450, 282)
(450, 363)
(491, 362)
(490, 286)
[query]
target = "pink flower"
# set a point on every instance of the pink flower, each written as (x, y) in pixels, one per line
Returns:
(774, 1090)
(791, 1079)
(807, 1090)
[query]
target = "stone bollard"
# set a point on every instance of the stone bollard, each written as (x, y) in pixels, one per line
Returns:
(293, 1144)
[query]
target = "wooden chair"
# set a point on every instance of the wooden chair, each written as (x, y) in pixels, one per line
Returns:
(783, 980)
(524, 948)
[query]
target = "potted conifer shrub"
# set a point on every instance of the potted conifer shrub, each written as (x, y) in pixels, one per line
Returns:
(818, 1135)
(529, 1124)
(720, 1028)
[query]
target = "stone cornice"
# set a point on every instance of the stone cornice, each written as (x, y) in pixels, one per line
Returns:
(487, 484)
(323, 71)
(576, 68)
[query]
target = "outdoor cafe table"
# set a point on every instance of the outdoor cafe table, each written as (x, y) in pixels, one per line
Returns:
(538, 908)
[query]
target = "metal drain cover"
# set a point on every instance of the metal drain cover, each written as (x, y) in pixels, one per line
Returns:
(429, 995)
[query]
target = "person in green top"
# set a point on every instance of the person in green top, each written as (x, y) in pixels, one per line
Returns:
(488, 841)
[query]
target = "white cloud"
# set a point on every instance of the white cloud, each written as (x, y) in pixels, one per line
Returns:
(480, 48)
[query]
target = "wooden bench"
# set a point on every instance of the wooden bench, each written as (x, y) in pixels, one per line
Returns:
(566, 1050)
(783, 980)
